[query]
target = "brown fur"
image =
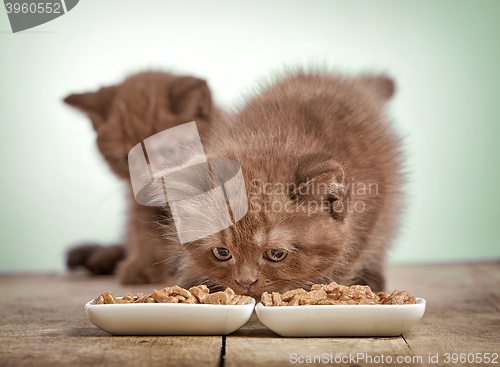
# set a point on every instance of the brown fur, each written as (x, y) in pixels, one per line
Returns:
(320, 130)
(123, 115)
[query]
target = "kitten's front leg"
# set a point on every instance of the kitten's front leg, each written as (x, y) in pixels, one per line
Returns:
(372, 276)
(145, 260)
(370, 271)
(141, 269)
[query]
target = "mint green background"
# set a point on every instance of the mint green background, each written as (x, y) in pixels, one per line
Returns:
(445, 55)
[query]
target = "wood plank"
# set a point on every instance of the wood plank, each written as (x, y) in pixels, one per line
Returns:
(461, 315)
(488, 276)
(255, 345)
(43, 323)
(447, 288)
(258, 351)
(460, 318)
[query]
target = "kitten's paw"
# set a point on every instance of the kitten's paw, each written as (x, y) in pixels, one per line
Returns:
(78, 255)
(132, 271)
(375, 280)
(99, 260)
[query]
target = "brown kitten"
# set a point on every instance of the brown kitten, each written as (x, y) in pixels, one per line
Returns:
(323, 175)
(124, 115)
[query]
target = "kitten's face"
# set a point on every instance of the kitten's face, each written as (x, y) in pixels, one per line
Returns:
(140, 107)
(275, 257)
(272, 249)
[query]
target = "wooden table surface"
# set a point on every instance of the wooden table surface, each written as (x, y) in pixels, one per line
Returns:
(43, 323)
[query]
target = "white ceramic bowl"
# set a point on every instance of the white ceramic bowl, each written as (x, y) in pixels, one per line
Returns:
(341, 320)
(169, 318)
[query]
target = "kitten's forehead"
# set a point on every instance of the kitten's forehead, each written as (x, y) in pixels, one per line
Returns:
(260, 237)
(281, 236)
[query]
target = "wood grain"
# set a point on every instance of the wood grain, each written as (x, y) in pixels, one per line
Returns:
(255, 345)
(43, 323)
(462, 313)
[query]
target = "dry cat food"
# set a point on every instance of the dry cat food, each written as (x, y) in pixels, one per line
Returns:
(195, 295)
(335, 294)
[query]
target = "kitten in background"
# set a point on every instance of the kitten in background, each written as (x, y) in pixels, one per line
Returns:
(122, 116)
(323, 175)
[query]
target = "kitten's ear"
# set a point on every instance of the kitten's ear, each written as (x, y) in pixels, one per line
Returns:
(190, 97)
(380, 86)
(322, 179)
(95, 104)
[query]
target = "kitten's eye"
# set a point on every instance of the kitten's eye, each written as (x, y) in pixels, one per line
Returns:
(221, 253)
(275, 255)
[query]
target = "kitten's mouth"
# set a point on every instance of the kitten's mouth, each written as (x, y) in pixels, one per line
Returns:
(239, 289)
(253, 292)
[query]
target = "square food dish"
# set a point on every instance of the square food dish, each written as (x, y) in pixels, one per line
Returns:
(341, 320)
(169, 318)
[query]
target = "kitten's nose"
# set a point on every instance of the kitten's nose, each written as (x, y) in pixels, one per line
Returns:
(247, 283)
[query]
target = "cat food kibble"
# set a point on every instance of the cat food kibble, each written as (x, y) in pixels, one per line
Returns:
(335, 294)
(195, 295)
